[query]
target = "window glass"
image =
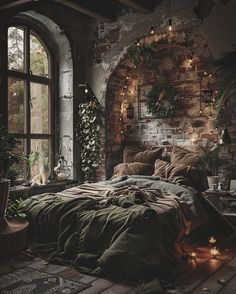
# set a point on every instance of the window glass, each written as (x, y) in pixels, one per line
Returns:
(38, 57)
(16, 93)
(39, 108)
(16, 49)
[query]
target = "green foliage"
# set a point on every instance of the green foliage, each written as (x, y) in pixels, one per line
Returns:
(90, 113)
(30, 161)
(210, 162)
(15, 208)
(7, 145)
(163, 101)
(226, 72)
(143, 54)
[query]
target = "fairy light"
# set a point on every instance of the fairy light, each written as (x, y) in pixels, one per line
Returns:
(170, 25)
(137, 43)
(152, 32)
(86, 90)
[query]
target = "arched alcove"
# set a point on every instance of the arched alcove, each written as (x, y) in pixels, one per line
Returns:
(60, 46)
(187, 126)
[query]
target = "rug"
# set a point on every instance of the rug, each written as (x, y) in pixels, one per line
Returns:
(30, 281)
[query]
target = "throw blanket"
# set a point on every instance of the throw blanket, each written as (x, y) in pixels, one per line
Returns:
(128, 232)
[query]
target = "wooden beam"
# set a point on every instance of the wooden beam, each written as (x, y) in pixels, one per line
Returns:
(14, 4)
(144, 6)
(104, 10)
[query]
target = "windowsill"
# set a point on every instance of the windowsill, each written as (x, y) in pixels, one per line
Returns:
(24, 192)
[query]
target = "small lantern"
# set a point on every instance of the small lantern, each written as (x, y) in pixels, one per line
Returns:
(207, 96)
(130, 111)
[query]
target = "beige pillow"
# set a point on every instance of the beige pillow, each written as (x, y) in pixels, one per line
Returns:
(186, 157)
(133, 168)
(181, 174)
(161, 168)
(131, 154)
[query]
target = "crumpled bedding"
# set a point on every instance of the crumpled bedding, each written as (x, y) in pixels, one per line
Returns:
(128, 228)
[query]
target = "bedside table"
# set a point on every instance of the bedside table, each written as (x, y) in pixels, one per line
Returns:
(224, 203)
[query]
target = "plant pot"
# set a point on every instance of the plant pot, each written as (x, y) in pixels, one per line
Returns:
(44, 172)
(4, 191)
(213, 180)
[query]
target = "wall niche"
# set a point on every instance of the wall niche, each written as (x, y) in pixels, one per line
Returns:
(180, 61)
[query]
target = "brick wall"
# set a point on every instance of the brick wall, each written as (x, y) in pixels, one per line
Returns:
(185, 128)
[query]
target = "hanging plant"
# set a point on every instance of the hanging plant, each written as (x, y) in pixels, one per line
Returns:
(226, 72)
(163, 101)
(88, 131)
(144, 54)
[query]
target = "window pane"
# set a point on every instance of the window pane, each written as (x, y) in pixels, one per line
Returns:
(16, 49)
(42, 147)
(16, 93)
(38, 57)
(20, 166)
(39, 108)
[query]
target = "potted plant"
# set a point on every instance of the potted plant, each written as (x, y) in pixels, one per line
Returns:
(30, 161)
(7, 158)
(210, 163)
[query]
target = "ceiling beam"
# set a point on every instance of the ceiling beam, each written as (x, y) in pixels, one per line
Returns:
(14, 4)
(104, 10)
(144, 6)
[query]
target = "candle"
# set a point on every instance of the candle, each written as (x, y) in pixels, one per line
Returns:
(212, 240)
(193, 254)
(214, 252)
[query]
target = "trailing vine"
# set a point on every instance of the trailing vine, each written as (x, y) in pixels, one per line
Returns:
(163, 100)
(90, 113)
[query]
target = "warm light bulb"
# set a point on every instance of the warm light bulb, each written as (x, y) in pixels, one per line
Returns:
(170, 28)
(152, 30)
(86, 90)
(138, 43)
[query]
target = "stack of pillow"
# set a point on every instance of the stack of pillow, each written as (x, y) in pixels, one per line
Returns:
(180, 169)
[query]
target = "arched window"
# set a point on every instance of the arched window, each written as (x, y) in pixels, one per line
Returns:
(30, 96)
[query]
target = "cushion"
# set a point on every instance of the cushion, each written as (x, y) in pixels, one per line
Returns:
(133, 168)
(181, 174)
(160, 169)
(133, 154)
(186, 157)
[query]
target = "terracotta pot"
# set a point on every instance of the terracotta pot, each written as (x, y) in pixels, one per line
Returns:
(4, 191)
(213, 180)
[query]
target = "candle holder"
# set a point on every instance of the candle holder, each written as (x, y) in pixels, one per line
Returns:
(215, 252)
(212, 241)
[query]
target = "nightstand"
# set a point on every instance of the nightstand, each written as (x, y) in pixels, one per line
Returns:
(224, 203)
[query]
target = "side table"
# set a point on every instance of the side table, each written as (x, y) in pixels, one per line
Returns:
(13, 236)
(224, 203)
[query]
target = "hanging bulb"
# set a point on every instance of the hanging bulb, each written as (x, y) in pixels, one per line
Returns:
(152, 32)
(137, 43)
(170, 28)
(86, 90)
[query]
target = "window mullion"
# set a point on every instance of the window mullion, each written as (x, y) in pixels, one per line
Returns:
(27, 98)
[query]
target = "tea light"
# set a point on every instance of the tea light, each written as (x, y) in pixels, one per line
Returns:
(212, 240)
(214, 252)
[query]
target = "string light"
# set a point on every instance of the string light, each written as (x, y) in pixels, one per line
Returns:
(86, 90)
(138, 43)
(152, 32)
(170, 27)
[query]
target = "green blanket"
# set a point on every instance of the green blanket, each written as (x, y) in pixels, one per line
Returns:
(131, 233)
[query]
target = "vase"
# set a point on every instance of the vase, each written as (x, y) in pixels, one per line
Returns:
(213, 180)
(44, 172)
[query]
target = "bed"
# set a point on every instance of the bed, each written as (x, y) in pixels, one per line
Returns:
(130, 227)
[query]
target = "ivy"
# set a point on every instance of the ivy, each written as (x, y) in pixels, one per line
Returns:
(163, 101)
(145, 54)
(90, 123)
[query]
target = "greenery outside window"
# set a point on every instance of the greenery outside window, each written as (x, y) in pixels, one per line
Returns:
(30, 96)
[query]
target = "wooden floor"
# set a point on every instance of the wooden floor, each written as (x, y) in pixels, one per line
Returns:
(201, 276)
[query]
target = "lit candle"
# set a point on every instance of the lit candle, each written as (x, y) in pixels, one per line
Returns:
(193, 254)
(214, 252)
(212, 240)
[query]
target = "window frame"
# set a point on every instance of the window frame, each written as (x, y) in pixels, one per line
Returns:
(29, 78)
